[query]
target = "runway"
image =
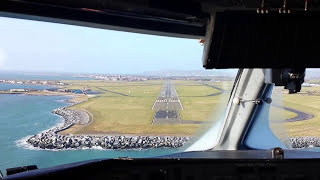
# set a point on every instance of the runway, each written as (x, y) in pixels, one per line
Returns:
(167, 105)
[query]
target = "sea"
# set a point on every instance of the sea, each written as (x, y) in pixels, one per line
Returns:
(8, 86)
(25, 115)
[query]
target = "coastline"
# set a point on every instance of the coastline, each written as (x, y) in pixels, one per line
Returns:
(54, 139)
(51, 139)
(74, 98)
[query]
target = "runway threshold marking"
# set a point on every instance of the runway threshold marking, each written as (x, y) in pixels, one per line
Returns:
(167, 96)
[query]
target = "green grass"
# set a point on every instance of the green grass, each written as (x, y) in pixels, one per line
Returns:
(315, 81)
(195, 90)
(276, 114)
(114, 113)
(132, 114)
(199, 108)
(117, 114)
(227, 85)
(142, 90)
(308, 100)
(309, 104)
(126, 115)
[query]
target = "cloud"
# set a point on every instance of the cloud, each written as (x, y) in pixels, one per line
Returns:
(3, 57)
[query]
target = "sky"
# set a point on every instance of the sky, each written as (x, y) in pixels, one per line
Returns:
(48, 47)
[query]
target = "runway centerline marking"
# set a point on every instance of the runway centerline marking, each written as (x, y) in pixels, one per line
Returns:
(167, 105)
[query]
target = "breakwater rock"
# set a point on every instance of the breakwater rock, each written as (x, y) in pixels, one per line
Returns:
(305, 142)
(50, 139)
(55, 141)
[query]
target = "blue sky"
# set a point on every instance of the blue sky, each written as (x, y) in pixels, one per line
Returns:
(47, 47)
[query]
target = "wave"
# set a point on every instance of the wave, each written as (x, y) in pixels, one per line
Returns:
(24, 144)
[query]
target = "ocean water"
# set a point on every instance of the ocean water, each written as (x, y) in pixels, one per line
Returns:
(23, 115)
(5, 86)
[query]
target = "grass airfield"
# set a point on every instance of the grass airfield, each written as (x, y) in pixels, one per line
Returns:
(308, 101)
(126, 108)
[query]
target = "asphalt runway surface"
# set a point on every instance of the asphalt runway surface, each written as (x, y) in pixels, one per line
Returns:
(167, 105)
(301, 116)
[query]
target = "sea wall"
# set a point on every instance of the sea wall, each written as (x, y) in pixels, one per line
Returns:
(305, 142)
(50, 139)
(55, 141)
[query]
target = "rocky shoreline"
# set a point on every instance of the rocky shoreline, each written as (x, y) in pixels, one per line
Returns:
(51, 140)
(305, 142)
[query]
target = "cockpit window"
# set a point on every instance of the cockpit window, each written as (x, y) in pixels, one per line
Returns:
(70, 93)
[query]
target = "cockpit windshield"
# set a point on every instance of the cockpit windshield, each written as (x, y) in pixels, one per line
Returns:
(70, 93)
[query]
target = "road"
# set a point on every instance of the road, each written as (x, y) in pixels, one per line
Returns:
(167, 105)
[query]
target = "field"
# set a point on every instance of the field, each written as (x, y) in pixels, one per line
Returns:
(200, 101)
(308, 101)
(126, 107)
